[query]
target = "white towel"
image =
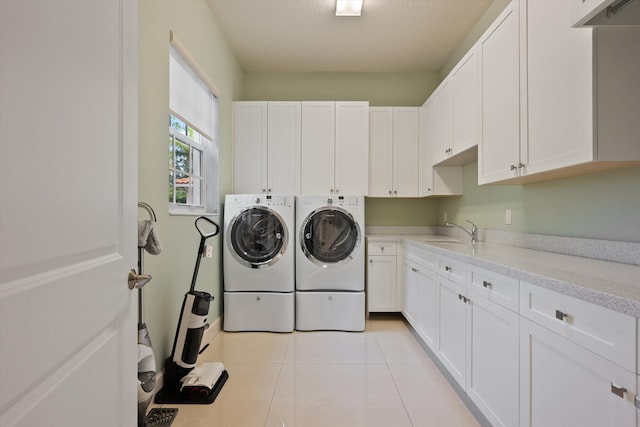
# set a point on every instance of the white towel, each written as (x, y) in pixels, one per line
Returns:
(205, 375)
(148, 237)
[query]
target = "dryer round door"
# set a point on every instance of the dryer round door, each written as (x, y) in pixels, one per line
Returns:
(257, 237)
(329, 236)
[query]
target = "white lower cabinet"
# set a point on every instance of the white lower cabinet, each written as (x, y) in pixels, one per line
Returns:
(382, 288)
(410, 295)
(428, 306)
(453, 321)
(526, 356)
(492, 373)
(564, 384)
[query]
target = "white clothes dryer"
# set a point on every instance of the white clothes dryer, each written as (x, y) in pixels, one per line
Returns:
(330, 270)
(258, 262)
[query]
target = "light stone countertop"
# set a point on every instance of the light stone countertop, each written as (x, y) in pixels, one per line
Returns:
(614, 285)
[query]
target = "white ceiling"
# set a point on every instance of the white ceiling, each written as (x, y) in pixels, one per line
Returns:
(306, 36)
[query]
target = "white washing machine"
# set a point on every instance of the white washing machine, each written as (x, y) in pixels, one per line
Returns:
(330, 263)
(259, 262)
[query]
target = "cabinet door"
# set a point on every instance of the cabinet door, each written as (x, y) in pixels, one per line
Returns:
(443, 122)
(493, 375)
(381, 284)
(560, 88)
(250, 147)
(380, 151)
(410, 293)
(283, 153)
(466, 103)
(426, 132)
(318, 148)
(434, 180)
(562, 384)
(452, 348)
(352, 148)
(406, 156)
(428, 307)
(499, 55)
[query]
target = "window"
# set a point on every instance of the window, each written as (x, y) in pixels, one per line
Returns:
(193, 146)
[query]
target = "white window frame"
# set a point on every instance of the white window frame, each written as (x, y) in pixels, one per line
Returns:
(209, 202)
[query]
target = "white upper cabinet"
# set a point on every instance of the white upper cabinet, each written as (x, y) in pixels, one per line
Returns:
(249, 147)
(457, 112)
(266, 147)
(443, 122)
(352, 148)
(434, 180)
(394, 151)
(499, 148)
(556, 101)
(335, 148)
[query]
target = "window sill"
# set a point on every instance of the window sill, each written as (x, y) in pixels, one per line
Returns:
(191, 212)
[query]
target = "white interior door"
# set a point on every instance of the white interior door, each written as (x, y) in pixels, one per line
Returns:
(68, 189)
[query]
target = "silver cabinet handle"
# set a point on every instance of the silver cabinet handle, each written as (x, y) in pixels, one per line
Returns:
(618, 391)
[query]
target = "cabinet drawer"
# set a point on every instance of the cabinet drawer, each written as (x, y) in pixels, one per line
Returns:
(495, 287)
(606, 332)
(452, 269)
(382, 248)
(421, 256)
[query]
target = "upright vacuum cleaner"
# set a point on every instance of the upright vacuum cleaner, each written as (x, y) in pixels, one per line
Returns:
(184, 382)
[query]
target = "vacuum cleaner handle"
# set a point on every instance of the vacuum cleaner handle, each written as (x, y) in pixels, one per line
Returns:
(216, 227)
(203, 237)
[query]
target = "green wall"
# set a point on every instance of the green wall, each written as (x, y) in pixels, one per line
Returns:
(380, 89)
(603, 205)
(196, 28)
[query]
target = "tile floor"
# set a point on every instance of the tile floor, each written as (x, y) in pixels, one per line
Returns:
(381, 377)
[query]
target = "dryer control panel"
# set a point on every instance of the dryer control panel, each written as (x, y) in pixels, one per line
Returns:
(271, 200)
(344, 201)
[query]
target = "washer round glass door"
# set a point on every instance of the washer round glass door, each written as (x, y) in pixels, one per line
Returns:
(329, 236)
(258, 237)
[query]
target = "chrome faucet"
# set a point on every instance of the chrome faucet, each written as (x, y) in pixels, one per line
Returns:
(473, 233)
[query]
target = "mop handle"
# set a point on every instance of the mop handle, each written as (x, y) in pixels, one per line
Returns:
(203, 238)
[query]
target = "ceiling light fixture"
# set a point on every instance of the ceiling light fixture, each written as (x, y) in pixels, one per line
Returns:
(348, 7)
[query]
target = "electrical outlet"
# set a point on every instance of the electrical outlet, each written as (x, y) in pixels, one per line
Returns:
(445, 217)
(507, 216)
(208, 251)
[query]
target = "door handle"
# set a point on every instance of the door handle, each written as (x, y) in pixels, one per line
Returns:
(618, 391)
(137, 281)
